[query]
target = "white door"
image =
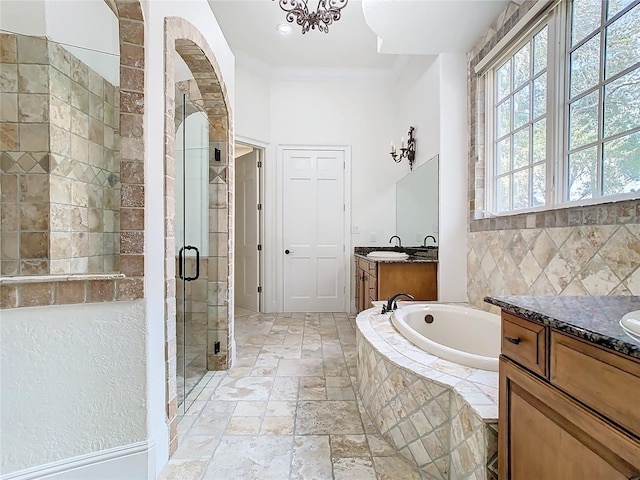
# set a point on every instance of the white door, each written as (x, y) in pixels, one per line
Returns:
(313, 230)
(247, 228)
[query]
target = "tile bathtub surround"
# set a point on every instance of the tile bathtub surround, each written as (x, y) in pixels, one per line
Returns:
(60, 162)
(287, 410)
(576, 260)
(439, 415)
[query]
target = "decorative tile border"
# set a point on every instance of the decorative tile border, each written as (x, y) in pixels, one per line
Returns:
(65, 290)
(439, 415)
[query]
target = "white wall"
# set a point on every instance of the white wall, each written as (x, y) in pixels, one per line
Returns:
(430, 95)
(94, 39)
(334, 111)
(253, 109)
(453, 178)
(72, 381)
(26, 18)
(434, 100)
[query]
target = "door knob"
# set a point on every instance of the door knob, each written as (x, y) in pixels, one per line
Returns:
(287, 251)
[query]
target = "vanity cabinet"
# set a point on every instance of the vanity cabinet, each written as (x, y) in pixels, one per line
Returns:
(377, 280)
(568, 409)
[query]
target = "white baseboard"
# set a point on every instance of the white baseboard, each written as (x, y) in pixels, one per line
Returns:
(128, 462)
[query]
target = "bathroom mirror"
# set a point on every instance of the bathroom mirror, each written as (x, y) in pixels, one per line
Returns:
(59, 152)
(417, 205)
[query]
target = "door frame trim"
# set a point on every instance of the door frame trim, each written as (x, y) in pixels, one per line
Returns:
(261, 223)
(346, 149)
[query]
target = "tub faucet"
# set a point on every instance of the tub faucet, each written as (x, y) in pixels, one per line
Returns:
(392, 304)
(399, 241)
(424, 242)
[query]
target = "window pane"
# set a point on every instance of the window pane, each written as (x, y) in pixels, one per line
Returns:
(540, 51)
(622, 104)
(622, 165)
(583, 121)
(521, 148)
(503, 80)
(585, 66)
(522, 63)
(585, 18)
(539, 185)
(583, 168)
(623, 42)
(521, 107)
(540, 95)
(616, 6)
(503, 193)
(521, 189)
(539, 140)
(503, 118)
(503, 154)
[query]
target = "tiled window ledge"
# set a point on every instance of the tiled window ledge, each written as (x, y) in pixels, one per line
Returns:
(47, 290)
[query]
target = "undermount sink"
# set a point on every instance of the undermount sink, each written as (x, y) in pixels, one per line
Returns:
(630, 323)
(386, 255)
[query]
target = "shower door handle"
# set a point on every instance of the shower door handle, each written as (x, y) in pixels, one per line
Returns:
(181, 262)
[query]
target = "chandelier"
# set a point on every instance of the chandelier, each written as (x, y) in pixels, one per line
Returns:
(326, 13)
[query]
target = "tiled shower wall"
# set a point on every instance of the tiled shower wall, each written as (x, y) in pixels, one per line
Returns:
(60, 162)
(593, 250)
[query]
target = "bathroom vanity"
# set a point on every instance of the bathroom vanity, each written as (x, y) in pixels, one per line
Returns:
(569, 389)
(379, 279)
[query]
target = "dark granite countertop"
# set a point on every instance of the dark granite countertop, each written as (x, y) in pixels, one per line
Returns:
(592, 318)
(416, 254)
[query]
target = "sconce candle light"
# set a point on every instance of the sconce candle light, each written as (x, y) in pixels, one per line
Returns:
(408, 152)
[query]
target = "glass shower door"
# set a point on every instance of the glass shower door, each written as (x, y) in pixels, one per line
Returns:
(192, 237)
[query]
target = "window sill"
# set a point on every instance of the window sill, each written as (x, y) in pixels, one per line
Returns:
(602, 212)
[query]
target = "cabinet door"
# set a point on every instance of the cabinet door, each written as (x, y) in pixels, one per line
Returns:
(544, 434)
(418, 279)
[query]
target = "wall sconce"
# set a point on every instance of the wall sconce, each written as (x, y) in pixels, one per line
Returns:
(409, 152)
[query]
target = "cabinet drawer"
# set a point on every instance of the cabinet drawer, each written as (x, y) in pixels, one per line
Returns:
(602, 380)
(525, 342)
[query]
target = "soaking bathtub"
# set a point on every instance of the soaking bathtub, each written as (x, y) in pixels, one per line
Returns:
(457, 333)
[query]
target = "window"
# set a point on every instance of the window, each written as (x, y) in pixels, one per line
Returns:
(520, 126)
(588, 147)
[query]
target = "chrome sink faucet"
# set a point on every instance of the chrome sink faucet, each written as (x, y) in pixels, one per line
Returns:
(392, 304)
(399, 241)
(424, 242)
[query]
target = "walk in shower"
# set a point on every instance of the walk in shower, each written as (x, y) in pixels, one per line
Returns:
(195, 339)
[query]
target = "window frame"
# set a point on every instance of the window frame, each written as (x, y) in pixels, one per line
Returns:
(557, 18)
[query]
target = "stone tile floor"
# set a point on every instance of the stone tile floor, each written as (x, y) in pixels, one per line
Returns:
(287, 410)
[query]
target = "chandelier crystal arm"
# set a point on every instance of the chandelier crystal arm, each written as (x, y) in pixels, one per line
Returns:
(327, 12)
